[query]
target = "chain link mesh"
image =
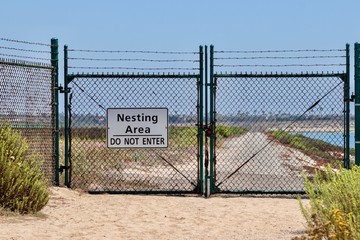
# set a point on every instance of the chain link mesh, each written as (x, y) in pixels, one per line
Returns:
(289, 125)
(26, 103)
(98, 168)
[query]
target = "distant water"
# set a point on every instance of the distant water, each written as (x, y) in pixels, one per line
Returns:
(335, 138)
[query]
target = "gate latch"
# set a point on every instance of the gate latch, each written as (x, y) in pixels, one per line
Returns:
(62, 168)
(208, 131)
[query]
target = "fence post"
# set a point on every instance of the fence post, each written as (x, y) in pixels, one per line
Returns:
(201, 121)
(357, 103)
(206, 160)
(212, 122)
(55, 65)
(66, 106)
(347, 109)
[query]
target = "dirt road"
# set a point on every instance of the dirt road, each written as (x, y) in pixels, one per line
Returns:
(268, 166)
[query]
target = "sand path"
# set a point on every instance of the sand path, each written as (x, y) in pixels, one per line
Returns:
(75, 215)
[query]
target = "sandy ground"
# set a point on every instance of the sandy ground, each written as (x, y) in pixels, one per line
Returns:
(75, 215)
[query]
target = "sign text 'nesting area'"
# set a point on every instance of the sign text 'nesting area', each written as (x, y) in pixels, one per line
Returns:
(137, 128)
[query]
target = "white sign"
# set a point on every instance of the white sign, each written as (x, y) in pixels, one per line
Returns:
(137, 128)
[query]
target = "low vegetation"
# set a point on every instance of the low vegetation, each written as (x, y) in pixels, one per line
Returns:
(91, 151)
(317, 149)
(334, 211)
(23, 186)
(228, 131)
(187, 136)
(182, 136)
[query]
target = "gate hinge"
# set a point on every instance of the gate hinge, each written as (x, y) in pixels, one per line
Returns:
(62, 168)
(352, 97)
(61, 89)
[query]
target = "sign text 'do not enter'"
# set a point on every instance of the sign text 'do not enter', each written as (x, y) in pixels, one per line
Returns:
(137, 128)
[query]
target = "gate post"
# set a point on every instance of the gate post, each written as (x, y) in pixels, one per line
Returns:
(206, 161)
(211, 176)
(66, 106)
(357, 103)
(201, 122)
(55, 64)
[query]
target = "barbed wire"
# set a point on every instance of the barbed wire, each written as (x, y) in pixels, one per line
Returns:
(271, 57)
(25, 42)
(24, 50)
(133, 59)
(25, 63)
(133, 68)
(278, 65)
(288, 74)
(125, 51)
(284, 51)
(19, 56)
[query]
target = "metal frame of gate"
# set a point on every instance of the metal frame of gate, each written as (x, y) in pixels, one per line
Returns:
(207, 123)
(255, 186)
(188, 180)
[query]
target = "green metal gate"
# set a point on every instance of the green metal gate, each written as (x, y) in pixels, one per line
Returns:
(92, 166)
(278, 125)
(248, 131)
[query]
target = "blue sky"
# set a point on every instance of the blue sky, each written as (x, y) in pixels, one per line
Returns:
(183, 25)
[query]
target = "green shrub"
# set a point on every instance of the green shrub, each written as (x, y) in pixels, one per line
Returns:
(183, 136)
(23, 186)
(187, 136)
(334, 211)
(228, 131)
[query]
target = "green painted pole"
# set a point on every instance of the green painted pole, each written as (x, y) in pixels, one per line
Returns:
(201, 120)
(347, 109)
(212, 124)
(66, 106)
(206, 86)
(55, 65)
(357, 103)
(206, 102)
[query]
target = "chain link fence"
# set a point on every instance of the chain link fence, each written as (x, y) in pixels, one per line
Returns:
(280, 139)
(288, 124)
(27, 98)
(97, 168)
(257, 129)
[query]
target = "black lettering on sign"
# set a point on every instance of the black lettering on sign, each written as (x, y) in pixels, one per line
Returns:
(115, 141)
(138, 118)
(153, 141)
(131, 141)
(137, 130)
